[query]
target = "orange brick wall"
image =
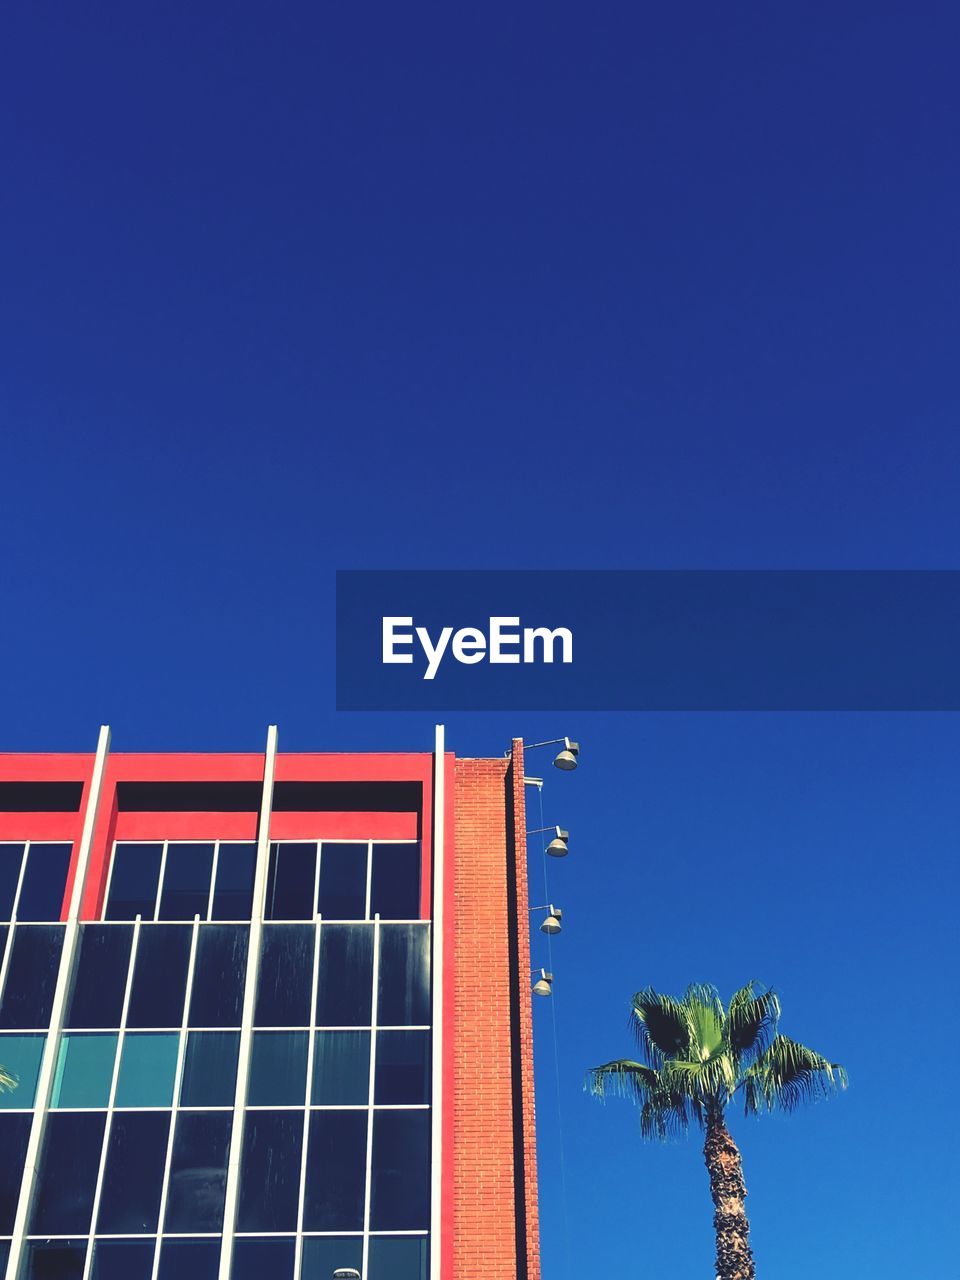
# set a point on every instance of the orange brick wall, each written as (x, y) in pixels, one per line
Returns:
(495, 1193)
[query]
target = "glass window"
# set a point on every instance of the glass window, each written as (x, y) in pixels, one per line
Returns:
(341, 1068)
(14, 1135)
(278, 1069)
(160, 976)
(345, 986)
(53, 1260)
(198, 1172)
(189, 1260)
(270, 1171)
(398, 1258)
(395, 882)
(11, 857)
(218, 975)
(322, 1255)
(233, 892)
(44, 880)
(133, 881)
(400, 1176)
(100, 979)
(255, 1259)
(404, 996)
(210, 1069)
(403, 1067)
(31, 977)
(290, 886)
(336, 1171)
(286, 976)
(67, 1173)
(20, 1059)
(186, 882)
(122, 1260)
(133, 1178)
(84, 1071)
(343, 881)
(148, 1064)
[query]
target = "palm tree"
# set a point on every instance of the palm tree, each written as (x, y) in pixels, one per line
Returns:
(699, 1057)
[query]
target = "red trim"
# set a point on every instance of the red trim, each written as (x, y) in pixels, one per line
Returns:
(185, 826)
(57, 766)
(344, 826)
(448, 1013)
(38, 826)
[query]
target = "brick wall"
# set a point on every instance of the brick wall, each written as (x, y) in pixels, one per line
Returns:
(495, 1192)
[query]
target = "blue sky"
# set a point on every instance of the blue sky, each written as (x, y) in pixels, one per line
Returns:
(380, 286)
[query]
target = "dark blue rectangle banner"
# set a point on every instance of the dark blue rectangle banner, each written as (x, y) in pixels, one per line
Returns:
(648, 640)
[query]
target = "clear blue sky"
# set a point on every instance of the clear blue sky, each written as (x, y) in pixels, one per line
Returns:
(292, 288)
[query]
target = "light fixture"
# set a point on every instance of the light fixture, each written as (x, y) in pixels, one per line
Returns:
(544, 984)
(346, 1273)
(557, 848)
(552, 923)
(566, 758)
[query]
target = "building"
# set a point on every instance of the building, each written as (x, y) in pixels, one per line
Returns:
(265, 1014)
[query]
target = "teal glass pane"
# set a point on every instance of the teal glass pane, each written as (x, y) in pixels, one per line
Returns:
(210, 1069)
(341, 1068)
(84, 1071)
(398, 1258)
(278, 1069)
(148, 1064)
(322, 1255)
(20, 1059)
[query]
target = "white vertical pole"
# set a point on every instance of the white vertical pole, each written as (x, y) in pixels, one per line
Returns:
(249, 1002)
(436, 933)
(49, 1059)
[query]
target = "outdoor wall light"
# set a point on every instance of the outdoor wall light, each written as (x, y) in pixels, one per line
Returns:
(557, 848)
(565, 759)
(544, 984)
(346, 1273)
(552, 924)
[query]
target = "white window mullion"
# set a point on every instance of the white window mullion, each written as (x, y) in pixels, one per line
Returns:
(298, 1256)
(163, 872)
(368, 1184)
(213, 879)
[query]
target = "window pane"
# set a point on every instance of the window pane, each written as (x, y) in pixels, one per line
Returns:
(84, 1071)
(11, 856)
(198, 1173)
(101, 976)
(395, 884)
(341, 1068)
(286, 976)
(343, 881)
(398, 1258)
(270, 1171)
(256, 1259)
(160, 976)
(400, 1191)
(14, 1135)
(122, 1260)
(345, 988)
(136, 1155)
(290, 886)
(41, 895)
(336, 1171)
(133, 881)
(210, 1069)
(403, 1067)
(31, 977)
(148, 1064)
(404, 997)
(186, 882)
(67, 1175)
(322, 1255)
(278, 1069)
(20, 1059)
(221, 965)
(233, 894)
(53, 1260)
(189, 1260)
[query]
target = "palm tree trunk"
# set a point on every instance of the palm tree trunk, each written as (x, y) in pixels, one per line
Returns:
(734, 1256)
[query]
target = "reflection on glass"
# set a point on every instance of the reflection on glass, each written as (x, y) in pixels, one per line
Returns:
(189, 1260)
(221, 965)
(20, 1059)
(404, 995)
(31, 977)
(233, 892)
(400, 1177)
(148, 1064)
(403, 1067)
(14, 1135)
(278, 1068)
(270, 1171)
(285, 978)
(160, 976)
(395, 883)
(84, 1071)
(100, 978)
(398, 1258)
(136, 1154)
(122, 1260)
(322, 1255)
(290, 884)
(133, 881)
(345, 985)
(44, 881)
(336, 1169)
(198, 1172)
(257, 1259)
(186, 882)
(11, 856)
(341, 1068)
(53, 1259)
(67, 1173)
(210, 1069)
(343, 881)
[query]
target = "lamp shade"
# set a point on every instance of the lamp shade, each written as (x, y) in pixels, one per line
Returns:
(565, 760)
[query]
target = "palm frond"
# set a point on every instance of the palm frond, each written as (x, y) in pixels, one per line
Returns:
(751, 1020)
(787, 1075)
(706, 1016)
(661, 1026)
(7, 1081)
(666, 1108)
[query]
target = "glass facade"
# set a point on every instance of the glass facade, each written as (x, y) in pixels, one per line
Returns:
(333, 1136)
